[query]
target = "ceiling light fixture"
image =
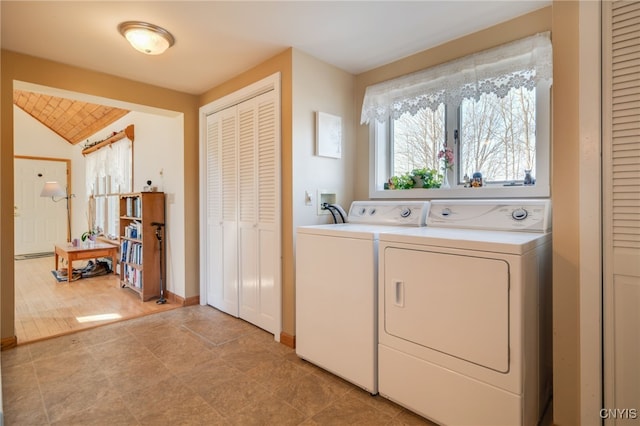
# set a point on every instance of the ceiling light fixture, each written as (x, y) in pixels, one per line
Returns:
(146, 38)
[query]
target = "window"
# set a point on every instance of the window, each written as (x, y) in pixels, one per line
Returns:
(490, 109)
(109, 172)
(417, 139)
(497, 136)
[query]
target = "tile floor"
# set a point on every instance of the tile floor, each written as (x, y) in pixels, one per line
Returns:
(188, 366)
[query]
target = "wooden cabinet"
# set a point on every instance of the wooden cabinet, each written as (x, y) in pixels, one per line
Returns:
(139, 246)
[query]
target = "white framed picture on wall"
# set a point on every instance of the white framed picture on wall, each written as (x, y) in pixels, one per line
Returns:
(328, 135)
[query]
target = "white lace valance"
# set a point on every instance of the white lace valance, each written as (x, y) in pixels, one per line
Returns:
(110, 169)
(521, 63)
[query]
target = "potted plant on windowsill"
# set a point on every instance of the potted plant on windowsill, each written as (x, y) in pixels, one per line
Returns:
(417, 178)
(426, 178)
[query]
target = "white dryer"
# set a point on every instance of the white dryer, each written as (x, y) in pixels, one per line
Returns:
(336, 288)
(465, 313)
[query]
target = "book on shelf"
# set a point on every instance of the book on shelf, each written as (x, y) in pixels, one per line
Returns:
(133, 206)
(132, 276)
(133, 230)
(131, 252)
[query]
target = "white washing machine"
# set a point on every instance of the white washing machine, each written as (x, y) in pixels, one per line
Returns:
(336, 288)
(465, 313)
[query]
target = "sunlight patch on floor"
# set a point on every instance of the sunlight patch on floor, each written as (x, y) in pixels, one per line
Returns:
(99, 317)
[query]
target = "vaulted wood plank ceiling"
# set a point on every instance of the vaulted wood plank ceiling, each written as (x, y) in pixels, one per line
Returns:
(75, 121)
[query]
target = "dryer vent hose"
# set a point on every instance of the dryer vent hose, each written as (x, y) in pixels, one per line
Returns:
(333, 209)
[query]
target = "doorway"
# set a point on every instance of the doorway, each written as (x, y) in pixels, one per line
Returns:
(44, 307)
(39, 222)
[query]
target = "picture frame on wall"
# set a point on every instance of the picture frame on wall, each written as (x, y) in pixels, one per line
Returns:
(328, 135)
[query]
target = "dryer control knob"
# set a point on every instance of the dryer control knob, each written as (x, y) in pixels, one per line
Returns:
(519, 214)
(446, 212)
(405, 212)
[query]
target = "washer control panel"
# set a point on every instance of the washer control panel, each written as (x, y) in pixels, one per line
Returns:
(404, 213)
(500, 215)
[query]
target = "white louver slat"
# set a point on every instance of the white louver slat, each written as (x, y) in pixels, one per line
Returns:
(625, 124)
(213, 175)
(246, 164)
(267, 163)
(229, 176)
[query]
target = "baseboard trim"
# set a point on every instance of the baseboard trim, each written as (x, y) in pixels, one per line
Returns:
(288, 340)
(189, 301)
(8, 342)
(193, 300)
(174, 298)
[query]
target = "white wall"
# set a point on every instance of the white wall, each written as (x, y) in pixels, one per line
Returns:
(32, 138)
(158, 155)
(318, 86)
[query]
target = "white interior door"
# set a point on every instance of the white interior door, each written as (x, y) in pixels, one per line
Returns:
(247, 212)
(40, 222)
(621, 210)
(259, 185)
(221, 261)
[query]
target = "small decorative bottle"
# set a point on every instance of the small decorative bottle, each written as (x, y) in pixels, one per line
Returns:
(445, 180)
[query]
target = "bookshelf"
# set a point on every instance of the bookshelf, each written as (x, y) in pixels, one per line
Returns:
(139, 247)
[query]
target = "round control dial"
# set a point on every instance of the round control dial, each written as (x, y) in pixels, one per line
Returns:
(405, 212)
(519, 214)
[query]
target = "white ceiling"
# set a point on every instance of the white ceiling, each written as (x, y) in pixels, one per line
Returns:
(217, 40)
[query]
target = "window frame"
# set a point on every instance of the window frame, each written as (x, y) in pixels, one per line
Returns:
(102, 191)
(380, 159)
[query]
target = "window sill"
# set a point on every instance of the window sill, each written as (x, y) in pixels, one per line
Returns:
(497, 191)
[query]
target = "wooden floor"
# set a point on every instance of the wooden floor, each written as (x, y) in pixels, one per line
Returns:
(47, 308)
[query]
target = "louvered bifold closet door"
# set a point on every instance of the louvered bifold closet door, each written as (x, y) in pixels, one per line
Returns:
(621, 210)
(259, 211)
(213, 247)
(222, 195)
(269, 201)
(248, 227)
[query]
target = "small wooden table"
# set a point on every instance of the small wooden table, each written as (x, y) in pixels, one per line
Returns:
(81, 252)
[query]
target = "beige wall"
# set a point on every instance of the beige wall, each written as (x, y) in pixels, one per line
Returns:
(562, 19)
(318, 86)
(281, 63)
(566, 236)
(29, 69)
